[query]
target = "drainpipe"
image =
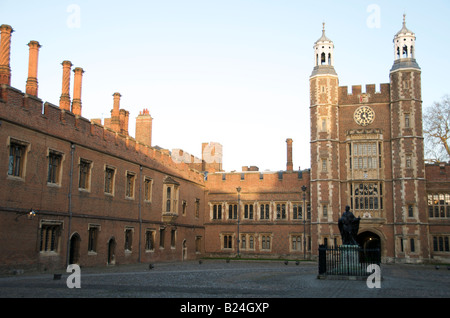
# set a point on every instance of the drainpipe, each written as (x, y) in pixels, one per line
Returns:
(140, 216)
(72, 150)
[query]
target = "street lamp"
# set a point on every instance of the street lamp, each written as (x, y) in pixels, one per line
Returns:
(238, 218)
(30, 214)
(304, 221)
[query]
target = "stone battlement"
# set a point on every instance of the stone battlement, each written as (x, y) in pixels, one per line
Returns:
(370, 95)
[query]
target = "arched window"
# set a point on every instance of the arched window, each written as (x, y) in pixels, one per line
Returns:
(398, 53)
(329, 58)
(405, 51)
(168, 199)
(412, 51)
(322, 59)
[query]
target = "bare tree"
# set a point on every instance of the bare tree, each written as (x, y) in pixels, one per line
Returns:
(436, 130)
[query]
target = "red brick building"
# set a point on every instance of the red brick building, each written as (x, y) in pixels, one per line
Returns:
(81, 191)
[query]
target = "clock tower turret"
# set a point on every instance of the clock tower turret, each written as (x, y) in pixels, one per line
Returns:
(408, 168)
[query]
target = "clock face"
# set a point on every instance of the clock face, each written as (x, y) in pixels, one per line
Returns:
(364, 115)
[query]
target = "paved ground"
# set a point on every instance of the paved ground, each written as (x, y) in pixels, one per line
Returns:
(234, 280)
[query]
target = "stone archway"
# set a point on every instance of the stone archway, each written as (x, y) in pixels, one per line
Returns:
(74, 249)
(370, 242)
(111, 251)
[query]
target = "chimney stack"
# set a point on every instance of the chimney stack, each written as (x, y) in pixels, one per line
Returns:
(64, 100)
(76, 102)
(289, 164)
(115, 113)
(144, 128)
(32, 82)
(5, 53)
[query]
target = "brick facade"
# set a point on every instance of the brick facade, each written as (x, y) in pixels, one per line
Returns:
(98, 196)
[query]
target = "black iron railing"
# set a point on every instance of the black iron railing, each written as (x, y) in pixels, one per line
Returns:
(347, 260)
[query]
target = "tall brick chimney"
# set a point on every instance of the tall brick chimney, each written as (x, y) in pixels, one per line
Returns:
(76, 102)
(115, 113)
(289, 164)
(32, 82)
(64, 100)
(123, 121)
(144, 127)
(5, 53)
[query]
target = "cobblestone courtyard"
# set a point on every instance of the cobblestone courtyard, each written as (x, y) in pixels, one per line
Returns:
(236, 279)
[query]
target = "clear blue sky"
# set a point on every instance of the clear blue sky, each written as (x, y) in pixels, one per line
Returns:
(230, 71)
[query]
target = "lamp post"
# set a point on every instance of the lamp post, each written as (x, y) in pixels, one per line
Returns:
(238, 218)
(304, 221)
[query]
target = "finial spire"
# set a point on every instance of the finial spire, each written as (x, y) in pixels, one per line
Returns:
(404, 19)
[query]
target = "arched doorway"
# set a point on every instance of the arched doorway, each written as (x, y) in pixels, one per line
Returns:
(111, 251)
(74, 249)
(368, 240)
(371, 245)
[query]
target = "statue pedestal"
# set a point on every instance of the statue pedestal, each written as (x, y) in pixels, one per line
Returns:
(349, 260)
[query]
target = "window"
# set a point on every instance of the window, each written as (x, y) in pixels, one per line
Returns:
(324, 211)
(17, 158)
(162, 233)
(148, 189)
(248, 211)
(217, 212)
(408, 161)
(412, 246)
(184, 207)
(296, 242)
(364, 155)
(128, 239)
(366, 196)
(297, 211)
(129, 190)
(324, 125)
(170, 196)
(197, 208)
(243, 241)
(410, 210)
(324, 165)
(264, 211)
(227, 241)
(149, 240)
(173, 236)
(439, 205)
(265, 241)
(109, 180)
(50, 237)
(281, 211)
(54, 167)
(406, 120)
(92, 237)
(441, 244)
(232, 211)
(85, 174)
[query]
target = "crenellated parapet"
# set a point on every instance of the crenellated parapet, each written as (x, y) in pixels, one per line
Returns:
(371, 94)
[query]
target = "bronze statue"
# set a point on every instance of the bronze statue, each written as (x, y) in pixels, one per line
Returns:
(348, 226)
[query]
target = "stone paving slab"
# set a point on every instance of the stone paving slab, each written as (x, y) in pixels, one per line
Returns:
(233, 280)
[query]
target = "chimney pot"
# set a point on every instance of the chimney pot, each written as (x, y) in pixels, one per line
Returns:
(5, 54)
(32, 82)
